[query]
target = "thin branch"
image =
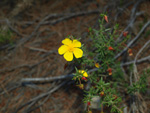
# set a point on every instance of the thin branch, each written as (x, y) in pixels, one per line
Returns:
(47, 79)
(10, 89)
(9, 25)
(130, 25)
(72, 15)
(9, 69)
(34, 102)
(42, 22)
(137, 61)
(146, 44)
(37, 49)
(134, 8)
(122, 9)
(134, 40)
(41, 96)
(135, 68)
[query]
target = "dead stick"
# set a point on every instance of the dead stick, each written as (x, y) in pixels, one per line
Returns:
(137, 61)
(47, 79)
(41, 96)
(135, 39)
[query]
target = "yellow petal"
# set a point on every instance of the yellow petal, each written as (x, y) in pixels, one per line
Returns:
(67, 41)
(76, 43)
(84, 73)
(62, 49)
(78, 53)
(68, 56)
(97, 65)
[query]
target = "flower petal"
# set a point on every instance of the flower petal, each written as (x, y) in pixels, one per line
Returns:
(85, 74)
(97, 65)
(62, 49)
(76, 43)
(67, 41)
(78, 53)
(68, 56)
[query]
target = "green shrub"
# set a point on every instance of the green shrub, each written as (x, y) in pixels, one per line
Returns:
(5, 37)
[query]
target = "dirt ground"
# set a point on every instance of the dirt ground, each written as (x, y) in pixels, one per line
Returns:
(35, 40)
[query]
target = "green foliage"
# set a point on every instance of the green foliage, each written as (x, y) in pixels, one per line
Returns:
(5, 37)
(104, 49)
(141, 84)
(104, 71)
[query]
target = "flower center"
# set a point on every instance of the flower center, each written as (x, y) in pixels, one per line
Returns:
(70, 48)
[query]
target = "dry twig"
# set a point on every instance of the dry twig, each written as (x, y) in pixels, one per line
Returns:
(134, 40)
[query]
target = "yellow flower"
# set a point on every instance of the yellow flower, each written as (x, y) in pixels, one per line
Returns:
(97, 65)
(84, 73)
(69, 48)
(102, 93)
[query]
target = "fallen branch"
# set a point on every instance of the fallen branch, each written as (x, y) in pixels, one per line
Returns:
(30, 108)
(137, 61)
(122, 9)
(9, 25)
(133, 16)
(71, 15)
(35, 99)
(37, 49)
(135, 68)
(47, 79)
(22, 66)
(130, 25)
(132, 41)
(42, 22)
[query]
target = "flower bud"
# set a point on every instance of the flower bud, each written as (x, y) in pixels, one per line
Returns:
(106, 18)
(102, 93)
(109, 71)
(110, 48)
(125, 33)
(97, 65)
(130, 52)
(84, 73)
(115, 97)
(83, 78)
(88, 103)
